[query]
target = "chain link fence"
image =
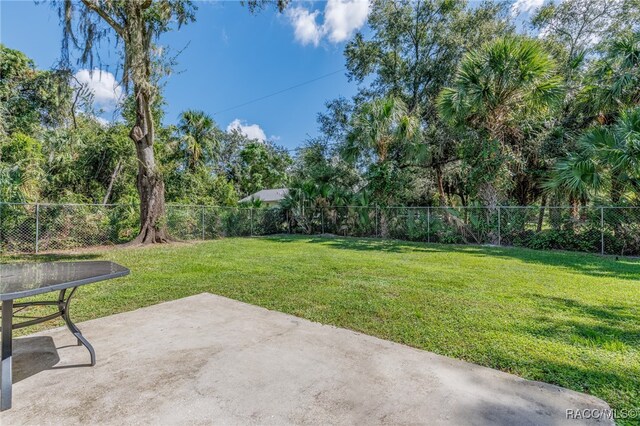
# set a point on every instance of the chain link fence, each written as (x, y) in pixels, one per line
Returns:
(607, 230)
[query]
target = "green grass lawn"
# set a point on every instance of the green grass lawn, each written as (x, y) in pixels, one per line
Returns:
(563, 318)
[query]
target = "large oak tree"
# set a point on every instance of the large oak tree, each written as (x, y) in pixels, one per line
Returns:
(133, 27)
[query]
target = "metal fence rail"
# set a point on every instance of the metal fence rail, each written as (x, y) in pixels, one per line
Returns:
(599, 229)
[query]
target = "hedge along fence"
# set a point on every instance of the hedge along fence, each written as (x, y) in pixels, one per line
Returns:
(605, 229)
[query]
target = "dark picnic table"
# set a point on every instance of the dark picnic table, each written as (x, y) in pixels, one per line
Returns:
(21, 280)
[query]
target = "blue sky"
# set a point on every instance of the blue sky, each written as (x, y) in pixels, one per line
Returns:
(232, 57)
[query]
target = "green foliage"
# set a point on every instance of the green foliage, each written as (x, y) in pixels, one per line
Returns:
(29, 97)
(613, 81)
(378, 127)
(260, 166)
(411, 54)
(452, 108)
(578, 24)
(497, 86)
(90, 162)
(197, 138)
(498, 91)
(21, 168)
(608, 154)
(560, 239)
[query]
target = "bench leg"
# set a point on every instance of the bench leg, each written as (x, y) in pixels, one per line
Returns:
(7, 328)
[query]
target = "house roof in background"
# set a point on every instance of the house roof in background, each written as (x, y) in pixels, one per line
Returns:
(267, 195)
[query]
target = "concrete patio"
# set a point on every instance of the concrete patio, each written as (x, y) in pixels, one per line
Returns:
(207, 359)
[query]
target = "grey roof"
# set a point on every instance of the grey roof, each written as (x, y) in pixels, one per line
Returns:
(267, 195)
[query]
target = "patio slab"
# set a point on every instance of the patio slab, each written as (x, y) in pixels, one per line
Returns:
(208, 359)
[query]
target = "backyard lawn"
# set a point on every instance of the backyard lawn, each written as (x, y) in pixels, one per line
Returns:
(563, 318)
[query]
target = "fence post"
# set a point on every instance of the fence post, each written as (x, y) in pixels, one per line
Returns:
(499, 233)
(601, 230)
(251, 220)
(37, 226)
(376, 221)
(322, 219)
(203, 222)
(428, 224)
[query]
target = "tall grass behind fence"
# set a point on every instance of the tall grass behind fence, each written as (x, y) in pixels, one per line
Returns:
(605, 230)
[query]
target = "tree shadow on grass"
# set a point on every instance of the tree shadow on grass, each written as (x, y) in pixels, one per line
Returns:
(619, 387)
(47, 257)
(613, 328)
(607, 344)
(584, 263)
(360, 243)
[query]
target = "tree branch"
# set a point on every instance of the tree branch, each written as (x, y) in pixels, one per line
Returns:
(430, 165)
(104, 15)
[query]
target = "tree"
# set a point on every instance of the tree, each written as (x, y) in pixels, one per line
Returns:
(90, 162)
(197, 134)
(30, 97)
(415, 46)
(137, 25)
(613, 82)
(589, 39)
(322, 177)
(497, 91)
(608, 156)
(581, 24)
(378, 127)
(21, 169)
(499, 84)
(260, 166)
(381, 130)
(577, 177)
(411, 54)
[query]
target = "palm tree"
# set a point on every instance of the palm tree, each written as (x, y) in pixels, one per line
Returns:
(382, 129)
(497, 90)
(379, 126)
(607, 155)
(498, 84)
(615, 79)
(197, 137)
(618, 149)
(579, 178)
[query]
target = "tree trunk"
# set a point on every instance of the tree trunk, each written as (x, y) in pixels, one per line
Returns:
(575, 212)
(555, 214)
(543, 205)
(149, 182)
(616, 189)
(440, 183)
(129, 21)
(114, 176)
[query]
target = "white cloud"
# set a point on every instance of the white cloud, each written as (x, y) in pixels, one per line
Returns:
(252, 131)
(106, 90)
(305, 27)
(525, 6)
(341, 19)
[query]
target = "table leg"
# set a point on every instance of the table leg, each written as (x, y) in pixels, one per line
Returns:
(7, 328)
(64, 309)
